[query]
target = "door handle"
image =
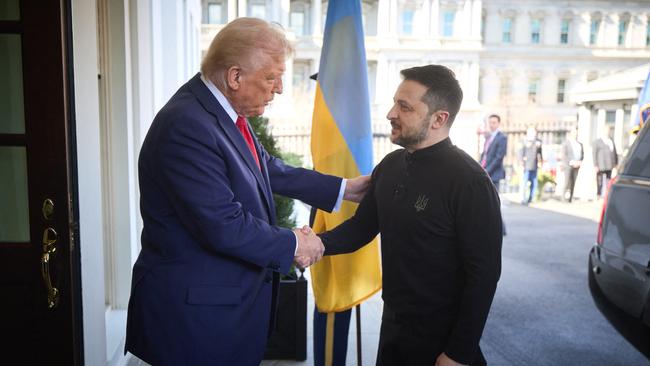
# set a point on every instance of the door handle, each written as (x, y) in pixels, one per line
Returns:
(49, 241)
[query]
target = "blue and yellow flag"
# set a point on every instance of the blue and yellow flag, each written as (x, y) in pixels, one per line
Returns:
(341, 144)
(644, 106)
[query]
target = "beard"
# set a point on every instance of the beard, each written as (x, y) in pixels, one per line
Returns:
(411, 138)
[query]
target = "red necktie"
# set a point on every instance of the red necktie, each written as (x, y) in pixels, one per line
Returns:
(243, 128)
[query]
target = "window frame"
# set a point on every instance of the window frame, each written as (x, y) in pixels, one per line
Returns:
(448, 28)
(594, 33)
(506, 32)
(536, 32)
(564, 32)
(561, 91)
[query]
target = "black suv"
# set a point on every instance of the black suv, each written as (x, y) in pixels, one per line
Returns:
(620, 261)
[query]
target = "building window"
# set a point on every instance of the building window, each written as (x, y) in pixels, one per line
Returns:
(564, 31)
(300, 79)
(258, 11)
(647, 34)
(448, 17)
(407, 22)
(533, 86)
(622, 31)
(561, 85)
(535, 28)
(593, 31)
(297, 22)
(214, 14)
(507, 30)
(504, 89)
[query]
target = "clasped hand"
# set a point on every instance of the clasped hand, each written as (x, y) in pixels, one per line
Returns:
(310, 247)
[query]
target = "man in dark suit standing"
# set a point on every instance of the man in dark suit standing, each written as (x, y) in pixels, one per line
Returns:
(605, 160)
(494, 150)
(440, 222)
(205, 282)
(496, 145)
(572, 155)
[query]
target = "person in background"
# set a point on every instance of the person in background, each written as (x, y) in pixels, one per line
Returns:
(605, 160)
(531, 157)
(494, 150)
(572, 155)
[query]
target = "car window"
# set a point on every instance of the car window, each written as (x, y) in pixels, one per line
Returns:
(638, 164)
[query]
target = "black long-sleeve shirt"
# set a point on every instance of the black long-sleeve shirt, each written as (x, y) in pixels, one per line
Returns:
(440, 222)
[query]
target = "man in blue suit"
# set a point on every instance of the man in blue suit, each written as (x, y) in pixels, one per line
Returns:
(204, 285)
(496, 145)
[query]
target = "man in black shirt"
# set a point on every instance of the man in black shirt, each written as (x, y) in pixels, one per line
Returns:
(440, 223)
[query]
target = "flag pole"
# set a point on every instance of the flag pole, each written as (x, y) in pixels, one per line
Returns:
(359, 335)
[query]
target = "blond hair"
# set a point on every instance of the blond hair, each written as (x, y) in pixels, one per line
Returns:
(244, 42)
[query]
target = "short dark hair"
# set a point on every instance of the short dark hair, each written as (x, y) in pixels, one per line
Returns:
(495, 116)
(443, 90)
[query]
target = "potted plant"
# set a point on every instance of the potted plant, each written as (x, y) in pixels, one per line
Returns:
(289, 336)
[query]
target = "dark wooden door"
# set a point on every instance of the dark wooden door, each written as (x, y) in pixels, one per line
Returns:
(40, 309)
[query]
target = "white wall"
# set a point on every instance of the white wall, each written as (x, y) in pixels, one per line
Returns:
(84, 38)
(143, 67)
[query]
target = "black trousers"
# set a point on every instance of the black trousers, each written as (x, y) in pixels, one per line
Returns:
(412, 342)
(571, 175)
(602, 178)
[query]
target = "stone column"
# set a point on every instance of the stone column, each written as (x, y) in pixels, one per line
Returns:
(522, 27)
(435, 19)
(285, 8)
(232, 10)
(552, 27)
(490, 86)
(477, 18)
(582, 24)
(547, 91)
(585, 187)
(242, 9)
(274, 12)
(463, 21)
(608, 33)
(601, 116)
(492, 26)
(471, 82)
(634, 112)
(383, 16)
(316, 17)
(393, 16)
(381, 84)
(424, 26)
(287, 79)
(619, 130)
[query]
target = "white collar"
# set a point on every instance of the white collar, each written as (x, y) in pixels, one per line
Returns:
(220, 98)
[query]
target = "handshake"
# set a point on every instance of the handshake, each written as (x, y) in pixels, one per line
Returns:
(310, 247)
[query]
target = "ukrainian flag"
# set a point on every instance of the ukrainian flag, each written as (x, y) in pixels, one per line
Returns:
(644, 106)
(341, 144)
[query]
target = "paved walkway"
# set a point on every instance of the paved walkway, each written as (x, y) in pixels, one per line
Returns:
(372, 309)
(586, 209)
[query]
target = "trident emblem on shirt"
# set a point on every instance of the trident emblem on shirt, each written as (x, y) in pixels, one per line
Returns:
(421, 203)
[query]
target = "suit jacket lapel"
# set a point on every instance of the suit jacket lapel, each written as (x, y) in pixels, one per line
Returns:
(210, 104)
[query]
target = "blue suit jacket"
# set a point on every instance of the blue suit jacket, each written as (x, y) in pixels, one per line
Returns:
(203, 283)
(494, 158)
